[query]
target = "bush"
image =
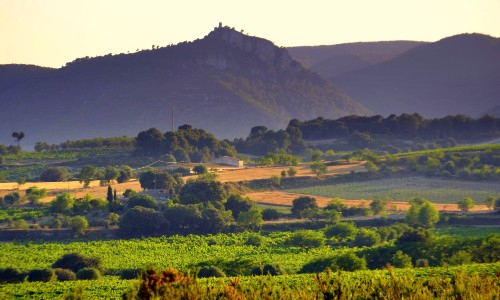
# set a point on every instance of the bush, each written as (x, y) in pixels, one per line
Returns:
(268, 269)
(270, 214)
(44, 275)
(130, 273)
(78, 225)
(341, 231)
(306, 239)
(76, 261)
(64, 274)
(366, 237)
(12, 198)
(254, 239)
(349, 262)
(210, 271)
(11, 275)
(129, 193)
(302, 203)
(88, 274)
(142, 200)
(318, 265)
(140, 221)
(54, 174)
(200, 169)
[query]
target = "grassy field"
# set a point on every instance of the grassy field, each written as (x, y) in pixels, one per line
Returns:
(406, 188)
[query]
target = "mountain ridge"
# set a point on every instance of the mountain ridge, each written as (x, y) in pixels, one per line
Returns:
(225, 83)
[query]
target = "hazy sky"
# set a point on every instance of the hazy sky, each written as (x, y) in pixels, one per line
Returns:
(53, 32)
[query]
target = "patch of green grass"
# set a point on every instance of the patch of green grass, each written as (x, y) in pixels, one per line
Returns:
(467, 231)
(406, 188)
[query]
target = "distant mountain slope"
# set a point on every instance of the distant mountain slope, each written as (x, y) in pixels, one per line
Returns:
(334, 60)
(13, 74)
(494, 111)
(456, 75)
(225, 83)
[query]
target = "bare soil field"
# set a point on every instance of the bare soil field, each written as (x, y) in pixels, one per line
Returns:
(286, 198)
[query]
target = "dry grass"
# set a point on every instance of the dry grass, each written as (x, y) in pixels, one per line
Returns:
(266, 172)
(286, 198)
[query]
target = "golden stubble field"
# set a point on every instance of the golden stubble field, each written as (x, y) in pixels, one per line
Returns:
(224, 175)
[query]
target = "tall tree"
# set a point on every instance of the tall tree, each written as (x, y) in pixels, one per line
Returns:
(18, 136)
(110, 194)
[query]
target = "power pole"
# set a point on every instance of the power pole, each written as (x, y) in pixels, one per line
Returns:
(172, 117)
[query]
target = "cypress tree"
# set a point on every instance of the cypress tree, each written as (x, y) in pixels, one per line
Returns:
(114, 196)
(110, 194)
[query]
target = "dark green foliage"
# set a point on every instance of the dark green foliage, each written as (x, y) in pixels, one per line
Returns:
(183, 218)
(317, 265)
(336, 205)
(54, 174)
(268, 269)
(44, 275)
(269, 214)
(129, 193)
(11, 275)
(210, 271)
(185, 144)
(201, 191)
(379, 206)
(184, 171)
(111, 173)
(12, 198)
(87, 174)
(88, 274)
(366, 237)
(112, 142)
(128, 274)
(77, 261)
(255, 239)
(140, 221)
(64, 274)
(34, 194)
(237, 204)
(200, 169)
(348, 261)
(142, 200)
(466, 204)
(109, 196)
(318, 168)
(215, 220)
(422, 213)
(401, 260)
(342, 231)
(155, 179)
(419, 235)
(303, 203)
(62, 204)
(125, 174)
(306, 239)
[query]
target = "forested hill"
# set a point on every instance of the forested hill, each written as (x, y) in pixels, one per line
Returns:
(334, 60)
(456, 75)
(224, 83)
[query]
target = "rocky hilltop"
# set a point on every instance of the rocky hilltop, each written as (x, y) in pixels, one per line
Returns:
(225, 83)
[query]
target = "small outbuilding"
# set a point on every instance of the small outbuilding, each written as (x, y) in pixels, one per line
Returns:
(228, 161)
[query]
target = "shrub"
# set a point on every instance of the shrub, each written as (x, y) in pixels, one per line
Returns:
(342, 231)
(76, 261)
(302, 203)
(270, 214)
(130, 273)
(254, 240)
(349, 262)
(54, 174)
(88, 274)
(200, 169)
(318, 265)
(210, 271)
(11, 275)
(44, 275)
(268, 269)
(12, 198)
(142, 200)
(401, 260)
(64, 274)
(306, 239)
(366, 237)
(140, 221)
(78, 225)
(129, 193)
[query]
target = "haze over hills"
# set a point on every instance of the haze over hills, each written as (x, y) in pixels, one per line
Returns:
(334, 60)
(225, 83)
(456, 75)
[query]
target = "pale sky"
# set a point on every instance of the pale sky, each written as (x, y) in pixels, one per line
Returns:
(53, 32)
